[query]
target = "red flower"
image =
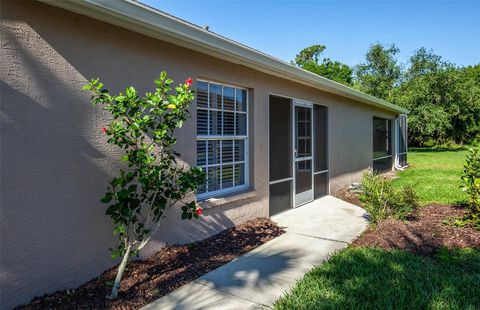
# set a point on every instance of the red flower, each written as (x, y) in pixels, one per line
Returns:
(104, 130)
(188, 82)
(199, 211)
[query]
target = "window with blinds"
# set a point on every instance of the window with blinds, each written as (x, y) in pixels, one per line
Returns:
(222, 137)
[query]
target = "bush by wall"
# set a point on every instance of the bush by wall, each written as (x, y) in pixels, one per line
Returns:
(152, 181)
(381, 199)
(471, 185)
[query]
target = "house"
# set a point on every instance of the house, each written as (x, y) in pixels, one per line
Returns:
(271, 136)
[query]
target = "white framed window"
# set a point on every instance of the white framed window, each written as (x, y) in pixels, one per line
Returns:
(222, 137)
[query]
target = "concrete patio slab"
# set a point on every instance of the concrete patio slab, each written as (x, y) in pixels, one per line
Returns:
(255, 280)
(263, 274)
(328, 217)
(198, 296)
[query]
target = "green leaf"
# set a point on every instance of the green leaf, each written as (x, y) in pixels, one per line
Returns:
(132, 188)
(152, 172)
(123, 194)
(107, 198)
(130, 92)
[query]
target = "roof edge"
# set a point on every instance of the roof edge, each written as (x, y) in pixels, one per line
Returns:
(135, 16)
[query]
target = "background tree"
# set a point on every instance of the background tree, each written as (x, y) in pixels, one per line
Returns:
(467, 122)
(423, 62)
(309, 59)
(444, 100)
(421, 92)
(152, 182)
(309, 54)
(380, 73)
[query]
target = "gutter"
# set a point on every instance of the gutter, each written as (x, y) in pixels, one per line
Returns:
(137, 17)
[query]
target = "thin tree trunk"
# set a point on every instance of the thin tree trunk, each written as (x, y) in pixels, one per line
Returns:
(121, 269)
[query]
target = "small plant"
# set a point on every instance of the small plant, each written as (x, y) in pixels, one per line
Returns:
(375, 194)
(381, 199)
(471, 186)
(139, 196)
(405, 201)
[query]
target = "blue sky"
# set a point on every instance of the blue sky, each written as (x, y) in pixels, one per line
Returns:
(347, 28)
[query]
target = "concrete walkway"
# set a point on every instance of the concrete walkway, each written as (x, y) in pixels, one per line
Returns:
(256, 279)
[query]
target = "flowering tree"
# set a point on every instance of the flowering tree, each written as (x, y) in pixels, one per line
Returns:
(153, 181)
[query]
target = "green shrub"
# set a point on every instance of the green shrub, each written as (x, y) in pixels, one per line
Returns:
(471, 185)
(381, 199)
(405, 201)
(151, 181)
(476, 141)
(375, 194)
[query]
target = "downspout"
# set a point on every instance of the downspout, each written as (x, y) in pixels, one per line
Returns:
(397, 145)
(401, 130)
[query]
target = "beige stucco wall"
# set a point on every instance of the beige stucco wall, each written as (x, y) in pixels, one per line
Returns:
(55, 163)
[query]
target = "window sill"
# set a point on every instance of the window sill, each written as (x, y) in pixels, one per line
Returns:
(228, 199)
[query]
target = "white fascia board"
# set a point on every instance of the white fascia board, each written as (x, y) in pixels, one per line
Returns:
(143, 19)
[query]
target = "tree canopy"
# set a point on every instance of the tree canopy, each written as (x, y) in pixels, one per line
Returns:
(309, 59)
(443, 99)
(380, 73)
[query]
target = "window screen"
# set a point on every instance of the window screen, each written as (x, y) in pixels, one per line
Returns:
(321, 138)
(382, 144)
(280, 155)
(320, 178)
(222, 138)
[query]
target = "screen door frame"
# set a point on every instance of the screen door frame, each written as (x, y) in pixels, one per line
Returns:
(304, 197)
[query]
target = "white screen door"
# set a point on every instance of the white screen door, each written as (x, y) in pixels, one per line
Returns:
(303, 152)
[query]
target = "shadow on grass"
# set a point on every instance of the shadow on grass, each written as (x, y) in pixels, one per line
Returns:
(460, 204)
(437, 149)
(371, 278)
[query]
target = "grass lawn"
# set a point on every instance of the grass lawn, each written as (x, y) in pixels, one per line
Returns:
(435, 174)
(369, 278)
(374, 278)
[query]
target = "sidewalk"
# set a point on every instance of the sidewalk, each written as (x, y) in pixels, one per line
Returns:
(255, 280)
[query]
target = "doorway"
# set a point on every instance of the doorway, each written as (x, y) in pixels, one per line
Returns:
(298, 159)
(303, 152)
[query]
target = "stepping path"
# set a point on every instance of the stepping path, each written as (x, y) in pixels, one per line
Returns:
(256, 279)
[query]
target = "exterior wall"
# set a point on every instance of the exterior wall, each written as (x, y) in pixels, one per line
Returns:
(351, 142)
(55, 162)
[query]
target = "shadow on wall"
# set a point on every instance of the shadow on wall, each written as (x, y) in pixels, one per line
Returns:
(55, 162)
(52, 175)
(174, 230)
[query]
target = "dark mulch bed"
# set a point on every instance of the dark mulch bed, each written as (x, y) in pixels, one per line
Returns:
(425, 234)
(168, 269)
(347, 195)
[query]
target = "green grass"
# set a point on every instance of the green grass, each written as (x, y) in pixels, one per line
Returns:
(435, 174)
(370, 278)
